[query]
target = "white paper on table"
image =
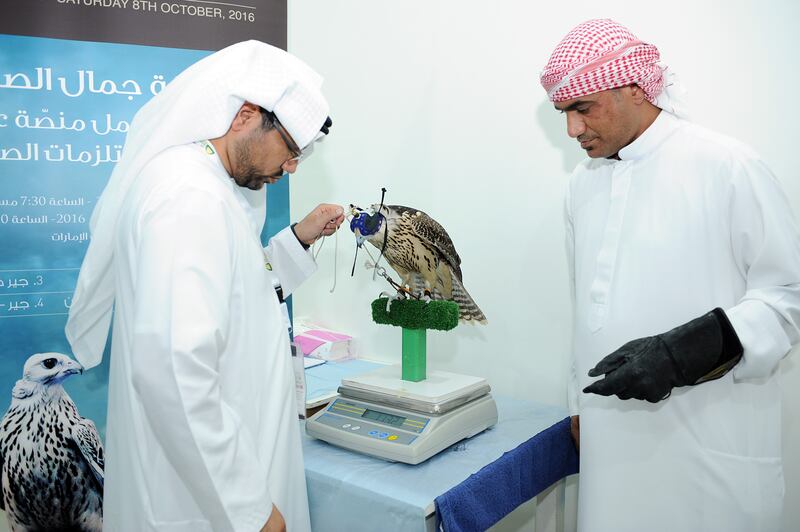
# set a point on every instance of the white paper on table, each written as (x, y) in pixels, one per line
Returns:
(309, 362)
(298, 365)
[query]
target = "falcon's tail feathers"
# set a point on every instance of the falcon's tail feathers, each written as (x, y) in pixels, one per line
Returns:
(467, 308)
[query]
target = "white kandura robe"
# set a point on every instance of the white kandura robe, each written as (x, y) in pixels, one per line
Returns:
(686, 221)
(202, 430)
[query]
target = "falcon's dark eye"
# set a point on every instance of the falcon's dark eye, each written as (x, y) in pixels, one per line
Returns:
(49, 363)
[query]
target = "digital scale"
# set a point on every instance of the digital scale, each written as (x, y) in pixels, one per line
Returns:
(381, 415)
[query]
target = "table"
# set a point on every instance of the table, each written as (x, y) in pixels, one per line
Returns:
(474, 483)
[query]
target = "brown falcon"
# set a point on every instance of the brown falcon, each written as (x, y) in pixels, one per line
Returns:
(419, 249)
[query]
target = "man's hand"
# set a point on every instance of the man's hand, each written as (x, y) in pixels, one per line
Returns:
(575, 429)
(324, 220)
(275, 523)
(648, 368)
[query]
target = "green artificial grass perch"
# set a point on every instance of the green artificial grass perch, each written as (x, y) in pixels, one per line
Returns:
(416, 314)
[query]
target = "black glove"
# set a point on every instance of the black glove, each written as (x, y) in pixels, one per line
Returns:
(704, 349)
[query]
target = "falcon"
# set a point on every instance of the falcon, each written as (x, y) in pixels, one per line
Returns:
(419, 249)
(51, 458)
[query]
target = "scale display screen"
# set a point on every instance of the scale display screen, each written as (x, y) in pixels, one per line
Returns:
(382, 417)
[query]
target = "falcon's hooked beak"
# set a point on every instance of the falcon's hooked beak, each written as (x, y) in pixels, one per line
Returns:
(71, 367)
(360, 239)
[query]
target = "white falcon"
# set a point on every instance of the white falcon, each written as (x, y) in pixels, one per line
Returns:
(51, 458)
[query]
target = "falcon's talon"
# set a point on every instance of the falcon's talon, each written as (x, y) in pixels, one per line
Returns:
(391, 298)
(389, 303)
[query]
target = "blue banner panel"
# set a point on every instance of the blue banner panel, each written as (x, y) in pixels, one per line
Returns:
(73, 73)
(65, 107)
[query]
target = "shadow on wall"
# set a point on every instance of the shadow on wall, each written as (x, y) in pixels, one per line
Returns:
(554, 125)
(447, 345)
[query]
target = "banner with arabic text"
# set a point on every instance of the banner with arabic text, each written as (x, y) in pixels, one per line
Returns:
(72, 75)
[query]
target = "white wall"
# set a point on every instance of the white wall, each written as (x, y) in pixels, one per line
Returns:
(439, 102)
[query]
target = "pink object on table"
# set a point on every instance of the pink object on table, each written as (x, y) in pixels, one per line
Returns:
(311, 339)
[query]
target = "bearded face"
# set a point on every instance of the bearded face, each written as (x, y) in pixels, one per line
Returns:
(249, 162)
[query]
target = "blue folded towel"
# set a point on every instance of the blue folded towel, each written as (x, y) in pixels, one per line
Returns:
(519, 475)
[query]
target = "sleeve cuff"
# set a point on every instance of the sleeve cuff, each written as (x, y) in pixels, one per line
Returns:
(572, 397)
(762, 337)
(305, 246)
(254, 519)
(291, 263)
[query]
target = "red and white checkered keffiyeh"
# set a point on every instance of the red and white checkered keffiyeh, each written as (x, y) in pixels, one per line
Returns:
(601, 55)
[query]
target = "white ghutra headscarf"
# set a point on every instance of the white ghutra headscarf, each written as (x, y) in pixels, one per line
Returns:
(200, 103)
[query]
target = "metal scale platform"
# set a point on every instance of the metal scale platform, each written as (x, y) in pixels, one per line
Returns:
(381, 415)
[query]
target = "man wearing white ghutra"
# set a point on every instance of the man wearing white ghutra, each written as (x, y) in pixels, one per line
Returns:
(202, 428)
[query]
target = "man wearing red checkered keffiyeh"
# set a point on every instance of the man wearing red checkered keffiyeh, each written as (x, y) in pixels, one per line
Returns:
(600, 55)
(600, 60)
(685, 262)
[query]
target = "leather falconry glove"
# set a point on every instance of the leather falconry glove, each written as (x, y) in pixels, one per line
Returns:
(701, 350)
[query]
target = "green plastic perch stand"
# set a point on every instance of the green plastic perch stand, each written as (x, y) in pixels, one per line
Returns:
(415, 317)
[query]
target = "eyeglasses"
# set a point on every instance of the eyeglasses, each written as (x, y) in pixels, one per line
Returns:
(295, 152)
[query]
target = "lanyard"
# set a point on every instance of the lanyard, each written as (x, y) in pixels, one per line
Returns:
(209, 150)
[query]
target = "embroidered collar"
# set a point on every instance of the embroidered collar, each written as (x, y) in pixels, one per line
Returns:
(207, 147)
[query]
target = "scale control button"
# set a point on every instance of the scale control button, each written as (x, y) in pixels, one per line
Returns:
(346, 426)
(383, 435)
(373, 433)
(356, 427)
(392, 437)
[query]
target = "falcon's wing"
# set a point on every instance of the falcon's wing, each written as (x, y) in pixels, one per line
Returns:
(432, 233)
(6, 426)
(87, 441)
(2, 487)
